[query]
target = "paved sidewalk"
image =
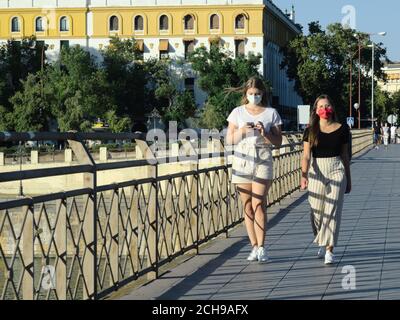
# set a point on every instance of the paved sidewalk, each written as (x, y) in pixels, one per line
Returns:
(369, 241)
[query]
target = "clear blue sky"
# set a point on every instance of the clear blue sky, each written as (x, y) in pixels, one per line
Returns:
(372, 16)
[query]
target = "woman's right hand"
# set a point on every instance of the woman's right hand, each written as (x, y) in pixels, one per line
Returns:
(246, 130)
(304, 183)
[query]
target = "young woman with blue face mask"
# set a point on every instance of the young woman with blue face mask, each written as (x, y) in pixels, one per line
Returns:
(325, 170)
(254, 127)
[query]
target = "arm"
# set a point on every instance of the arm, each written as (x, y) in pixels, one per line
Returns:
(234, 135)
(346, 162)
(305, 164)
(274, 136)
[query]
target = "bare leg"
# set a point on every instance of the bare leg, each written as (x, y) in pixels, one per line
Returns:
(245, 196)
(258, 201)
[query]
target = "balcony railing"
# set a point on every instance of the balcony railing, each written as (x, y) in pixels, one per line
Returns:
(88, 242)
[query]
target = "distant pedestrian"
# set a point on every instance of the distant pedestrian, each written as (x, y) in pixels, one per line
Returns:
(385, 133)
(254, 128)
(326, 174)
(377, 132)
(393, 130)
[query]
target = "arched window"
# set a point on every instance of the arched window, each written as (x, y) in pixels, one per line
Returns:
(214, 21)
(189, 48)
(64, 24)
(138, 25)
(239, 47)
(189, 22)
(239, 21)
(114, 23)
(39, 24)
(15, 27)
(164, 22)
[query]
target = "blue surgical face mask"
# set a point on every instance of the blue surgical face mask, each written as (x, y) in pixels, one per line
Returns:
(254, 98)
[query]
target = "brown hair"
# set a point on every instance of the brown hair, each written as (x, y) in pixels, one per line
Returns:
(257, 83)
(314, 128)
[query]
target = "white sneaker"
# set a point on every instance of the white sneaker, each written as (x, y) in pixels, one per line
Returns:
(253, 254)
(321, 252)
(262, 255)
(329, 258)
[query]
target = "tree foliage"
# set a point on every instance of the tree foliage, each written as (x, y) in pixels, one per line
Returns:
(320, 63)
(217, 71)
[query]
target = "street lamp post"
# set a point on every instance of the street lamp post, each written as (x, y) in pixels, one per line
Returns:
(373, 73)
(359, 75)
(155, 115)
(357, 107)
(351, 76)
(21, 191)
(373, 84)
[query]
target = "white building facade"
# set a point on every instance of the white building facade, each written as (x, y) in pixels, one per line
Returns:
(163, 28)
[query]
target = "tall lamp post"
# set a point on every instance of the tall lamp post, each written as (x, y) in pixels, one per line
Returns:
(156, 116)
(372, 45)
(359, 77)
(357, 107)
(357, 35)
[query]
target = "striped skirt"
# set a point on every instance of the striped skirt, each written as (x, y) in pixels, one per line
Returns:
(326, 188)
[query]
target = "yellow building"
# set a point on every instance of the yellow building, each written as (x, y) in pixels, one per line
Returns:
(162, 28)
(392, 84)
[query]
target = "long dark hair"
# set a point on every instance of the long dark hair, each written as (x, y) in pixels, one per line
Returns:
(314, 128)
(257, 83)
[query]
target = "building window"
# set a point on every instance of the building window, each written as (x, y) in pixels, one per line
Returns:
(15, 27)
(214, 22)
(64, 24)
(189, 48)
(239, 48)
(239, 21)
(164, 22)
(164, 49)
(39, 24)
(114, 23)
(189, 22)
(138, 23)
(64, 44)
(189, 85)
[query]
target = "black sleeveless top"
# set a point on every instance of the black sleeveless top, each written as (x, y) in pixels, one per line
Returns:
(329, 144)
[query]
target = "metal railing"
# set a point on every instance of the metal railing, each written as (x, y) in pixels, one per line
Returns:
(86, 243)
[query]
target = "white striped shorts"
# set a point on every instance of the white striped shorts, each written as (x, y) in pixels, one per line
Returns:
(252, 163)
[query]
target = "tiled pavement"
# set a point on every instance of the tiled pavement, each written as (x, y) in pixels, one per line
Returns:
(369, 241)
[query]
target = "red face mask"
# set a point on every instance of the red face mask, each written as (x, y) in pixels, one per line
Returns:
(325, 113)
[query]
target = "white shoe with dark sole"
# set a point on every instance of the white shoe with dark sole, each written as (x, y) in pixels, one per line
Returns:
(329, 258)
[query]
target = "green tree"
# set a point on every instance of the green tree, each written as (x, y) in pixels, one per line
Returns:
(382, 104)
(320, 63)
(396, 105)
(80, 91)
(172, 101)
(126, 77)
(116, 123)
(218, 71)
(181, 108)
(17, 60)
(75, 93)
(31, 110)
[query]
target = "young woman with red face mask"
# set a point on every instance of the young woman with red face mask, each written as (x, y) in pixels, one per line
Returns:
(325, 170)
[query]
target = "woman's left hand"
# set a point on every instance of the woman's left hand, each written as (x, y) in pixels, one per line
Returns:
(260, 127)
